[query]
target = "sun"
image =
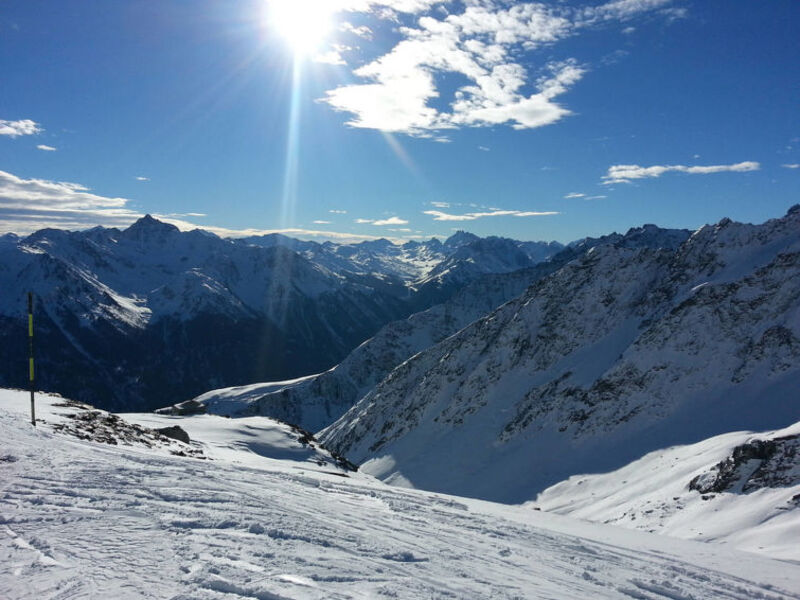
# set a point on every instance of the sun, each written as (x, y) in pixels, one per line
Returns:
(304, 24)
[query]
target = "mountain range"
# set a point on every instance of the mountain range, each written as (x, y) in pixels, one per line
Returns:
(315, 402)
(149, 315)
(623, 350)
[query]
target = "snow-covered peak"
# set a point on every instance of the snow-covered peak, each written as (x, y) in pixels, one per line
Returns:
(460, 238)
(149, 229)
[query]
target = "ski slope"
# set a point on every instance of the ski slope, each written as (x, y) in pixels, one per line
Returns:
(81, 519)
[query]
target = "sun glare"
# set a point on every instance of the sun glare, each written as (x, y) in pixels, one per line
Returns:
(304, 24)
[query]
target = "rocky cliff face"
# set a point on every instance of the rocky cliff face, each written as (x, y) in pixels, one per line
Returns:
(617, 352)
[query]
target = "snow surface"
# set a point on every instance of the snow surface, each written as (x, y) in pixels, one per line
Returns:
(653, 494)
(80, 519)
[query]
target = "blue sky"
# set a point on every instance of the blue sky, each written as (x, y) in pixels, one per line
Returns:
(354, 119)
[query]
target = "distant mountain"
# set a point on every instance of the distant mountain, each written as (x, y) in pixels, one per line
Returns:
(147, 316)
(621, 351)
(317, 401)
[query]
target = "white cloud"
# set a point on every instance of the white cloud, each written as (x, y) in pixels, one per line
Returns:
(401, 90)
(30, 204)
(331, 57)
(337, 212)
(575, 195)
(380, 6)
(440, 204)
(27, 205)
(321, 222)
(17, 128)
(181, 215)
(791, 166)
(361, 31)
(619, 10)
(477, 45)
(46, 148)
(390, 221)
(442, 216)
(382, 222)
(140, 178)
(484, 148)
(625, 173)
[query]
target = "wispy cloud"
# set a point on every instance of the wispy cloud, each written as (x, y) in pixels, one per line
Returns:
(791, 166)
(442, 216)
(321, 222)
(17, 128)
(27, 205)
(482, 44)
(382, 222)
(182, 215)
(337, 212)
(46, 148)
(30, 204)
(627, 173)
(575, 195)
(140, 178)
(391, 221)
(331, 57)
(437, 204)
(361, 31)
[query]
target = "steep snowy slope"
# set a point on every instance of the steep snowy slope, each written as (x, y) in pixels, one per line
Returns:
(316, 402)
(742, 489)
(86, 520)
(620, 352)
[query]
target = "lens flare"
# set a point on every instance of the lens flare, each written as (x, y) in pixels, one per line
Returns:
(304, 24)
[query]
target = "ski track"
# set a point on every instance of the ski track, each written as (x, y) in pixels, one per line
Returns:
(81, 520)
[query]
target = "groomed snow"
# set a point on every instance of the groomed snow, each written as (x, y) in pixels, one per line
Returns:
(80, 519)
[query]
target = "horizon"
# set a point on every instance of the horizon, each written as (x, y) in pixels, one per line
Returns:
(399, 119)
(394, 241)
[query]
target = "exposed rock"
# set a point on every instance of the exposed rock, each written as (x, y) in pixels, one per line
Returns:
(752, 466)
(175, 432)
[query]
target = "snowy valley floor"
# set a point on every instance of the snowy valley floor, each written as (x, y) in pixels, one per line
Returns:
(80, 519)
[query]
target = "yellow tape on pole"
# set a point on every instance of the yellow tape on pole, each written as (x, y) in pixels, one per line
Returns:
(31, 365)
(30, 325)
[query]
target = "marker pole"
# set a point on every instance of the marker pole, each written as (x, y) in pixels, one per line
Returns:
(30, 355)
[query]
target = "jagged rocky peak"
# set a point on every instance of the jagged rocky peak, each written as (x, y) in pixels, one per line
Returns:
(149, 227)
(460, 238)
(653, 236)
